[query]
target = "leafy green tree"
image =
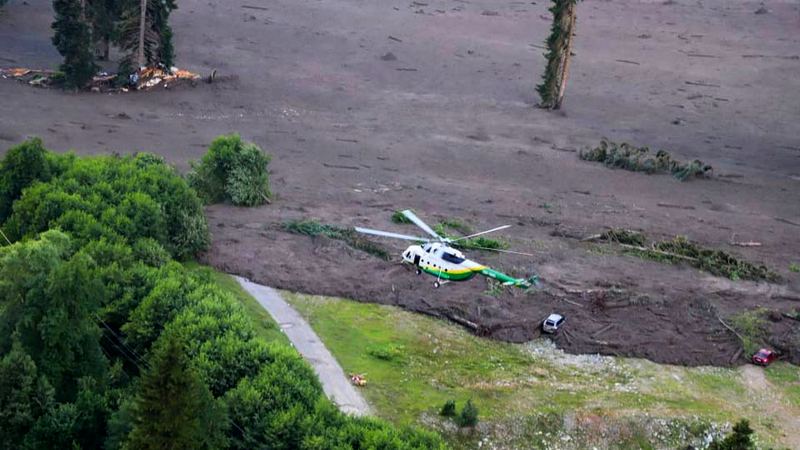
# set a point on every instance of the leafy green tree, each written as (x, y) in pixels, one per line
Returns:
(24, 396)
(739, 439)
(232, 170)
(173, 408)
(22, 165)
(73, 39)
(48, 301)
(559, 53)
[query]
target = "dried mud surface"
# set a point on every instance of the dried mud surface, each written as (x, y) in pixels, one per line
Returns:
(373, 106)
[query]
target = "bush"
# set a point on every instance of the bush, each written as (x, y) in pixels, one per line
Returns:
(468, 416)
(448, 409)
(638, 159)
(119, 199)
(234, 171)
(739, 439)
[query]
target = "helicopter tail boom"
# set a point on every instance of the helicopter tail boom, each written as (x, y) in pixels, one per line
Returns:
(507, 280)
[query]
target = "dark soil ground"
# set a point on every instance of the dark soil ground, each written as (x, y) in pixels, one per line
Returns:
(371, 106)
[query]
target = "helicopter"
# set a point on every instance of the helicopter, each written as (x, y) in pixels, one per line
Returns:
(437, 256)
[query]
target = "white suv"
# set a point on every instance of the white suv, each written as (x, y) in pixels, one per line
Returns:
(552, 323)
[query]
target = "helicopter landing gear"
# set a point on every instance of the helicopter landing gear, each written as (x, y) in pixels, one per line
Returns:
(436, 284)
(418, 271)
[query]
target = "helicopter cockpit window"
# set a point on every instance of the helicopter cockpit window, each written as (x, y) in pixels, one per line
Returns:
(452, 258)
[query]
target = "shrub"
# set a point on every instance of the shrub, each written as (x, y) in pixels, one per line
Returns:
(22, 165)
(739, 439)
(468, 416)
(386, 352)
(638, 159)
(448, 409)
(234, 171)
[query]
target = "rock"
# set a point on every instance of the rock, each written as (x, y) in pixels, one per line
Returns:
(761, 10)
(389, 57)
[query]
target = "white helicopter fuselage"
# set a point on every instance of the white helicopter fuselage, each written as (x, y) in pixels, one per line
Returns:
(442, 261)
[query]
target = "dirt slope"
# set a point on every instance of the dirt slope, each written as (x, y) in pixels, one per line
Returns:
(372, 106)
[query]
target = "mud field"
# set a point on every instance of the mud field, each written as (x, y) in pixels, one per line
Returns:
(371, 106)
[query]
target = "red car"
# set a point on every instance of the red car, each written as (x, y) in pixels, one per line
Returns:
(764, 357)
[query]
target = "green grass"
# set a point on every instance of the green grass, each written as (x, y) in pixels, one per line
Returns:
(414, 364)
(794, 267)
(787, 378)
(264, 325)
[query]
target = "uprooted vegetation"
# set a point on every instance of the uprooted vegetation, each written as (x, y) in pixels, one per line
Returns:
(313, 228)
(232, 171)
(751, 328)
(714, 261)
(445, 226)
(639, 159)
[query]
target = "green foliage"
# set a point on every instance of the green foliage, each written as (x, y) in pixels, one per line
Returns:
(627, 237)
(232, 170)
(73, 39)
(24, 396)
(121, 199)
(57, 331)
(739, 439)
(140, 351)
(752, 327)
(794, 267)
(157, 43)
(386, 352)
(448, 409)
(477, 243)
(680, 249)
(468, 416)
(399, 217)
(558, 49)
(22, 165)
(173, 408)
(638, 159)
(311, 227)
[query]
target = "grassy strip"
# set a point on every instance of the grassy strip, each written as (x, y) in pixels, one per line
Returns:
(716, 262)
(311, 227)
(265, 325)
(414, 364)
(638, 159)
(787, 378)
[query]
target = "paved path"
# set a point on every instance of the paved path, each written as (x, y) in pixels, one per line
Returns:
(334, 382)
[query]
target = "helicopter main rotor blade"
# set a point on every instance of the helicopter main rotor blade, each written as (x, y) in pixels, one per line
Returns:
(390, 234)
(418, 222)
(482, 232)
(500, 250)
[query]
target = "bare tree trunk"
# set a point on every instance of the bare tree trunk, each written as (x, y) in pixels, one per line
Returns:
(567, 56)
(142, 19)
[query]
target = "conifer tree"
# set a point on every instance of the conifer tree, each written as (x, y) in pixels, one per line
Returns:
(144, 34)
(559, 49)
(173, 409)
(73, 39)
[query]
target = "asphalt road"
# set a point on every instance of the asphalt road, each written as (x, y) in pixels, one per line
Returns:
(334, 381)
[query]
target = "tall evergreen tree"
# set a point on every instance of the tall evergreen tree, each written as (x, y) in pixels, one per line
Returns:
(174, 409)
(144, 33)
(559, 50)
(73, 39)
